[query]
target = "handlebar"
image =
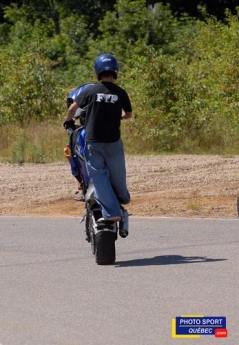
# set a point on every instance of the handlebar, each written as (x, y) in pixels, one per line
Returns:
(70, 124)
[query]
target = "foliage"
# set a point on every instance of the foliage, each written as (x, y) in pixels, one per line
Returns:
(181, 73)
(27, 89)
(191, 98)
(130, 24)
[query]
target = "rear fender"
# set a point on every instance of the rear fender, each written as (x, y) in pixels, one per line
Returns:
(101, 226)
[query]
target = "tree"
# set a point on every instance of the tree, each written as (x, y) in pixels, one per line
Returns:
(193, 7)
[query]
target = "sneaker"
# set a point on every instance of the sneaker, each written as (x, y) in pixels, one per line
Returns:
(110, 219)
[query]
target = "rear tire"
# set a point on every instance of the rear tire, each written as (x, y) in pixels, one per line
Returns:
(105, 247)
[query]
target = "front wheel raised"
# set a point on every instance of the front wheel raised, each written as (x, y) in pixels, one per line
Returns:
(105, 247)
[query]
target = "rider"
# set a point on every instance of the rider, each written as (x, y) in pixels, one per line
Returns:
(107, 105)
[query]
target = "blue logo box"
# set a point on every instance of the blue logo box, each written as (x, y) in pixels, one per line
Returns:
(205, 325)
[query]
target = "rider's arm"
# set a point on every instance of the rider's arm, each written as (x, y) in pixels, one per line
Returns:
(126, 114)
(71, 111)
(126, 107)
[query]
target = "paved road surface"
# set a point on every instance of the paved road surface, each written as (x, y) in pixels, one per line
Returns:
(53, 293)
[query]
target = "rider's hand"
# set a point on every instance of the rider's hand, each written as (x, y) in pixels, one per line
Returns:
(69, 124)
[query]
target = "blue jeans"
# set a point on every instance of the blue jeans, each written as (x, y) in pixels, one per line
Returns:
(105, 164)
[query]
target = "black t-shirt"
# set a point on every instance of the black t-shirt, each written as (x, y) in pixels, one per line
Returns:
(105, 102)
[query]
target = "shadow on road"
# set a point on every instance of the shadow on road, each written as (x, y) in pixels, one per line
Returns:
(166, 260)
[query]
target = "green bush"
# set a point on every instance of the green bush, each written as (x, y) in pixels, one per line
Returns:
(180, 100)
(182, 75)
(28, 91)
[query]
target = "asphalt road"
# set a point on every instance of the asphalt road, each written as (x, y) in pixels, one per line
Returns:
(53, 293)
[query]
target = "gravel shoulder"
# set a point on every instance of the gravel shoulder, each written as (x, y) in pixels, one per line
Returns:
(162, 185)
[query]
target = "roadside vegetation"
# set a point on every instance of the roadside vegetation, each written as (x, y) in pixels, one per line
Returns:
(182, 73)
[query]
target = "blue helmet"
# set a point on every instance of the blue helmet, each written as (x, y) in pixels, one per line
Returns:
(106, 63)
(75, 92)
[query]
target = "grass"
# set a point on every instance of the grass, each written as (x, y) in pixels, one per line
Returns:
(45, 142)
(38, 143)
(193, 207)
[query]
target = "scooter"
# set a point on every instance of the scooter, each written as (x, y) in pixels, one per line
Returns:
(100, 234)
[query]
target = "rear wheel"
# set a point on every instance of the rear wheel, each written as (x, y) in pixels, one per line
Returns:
(102, 237)
(105, 247)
